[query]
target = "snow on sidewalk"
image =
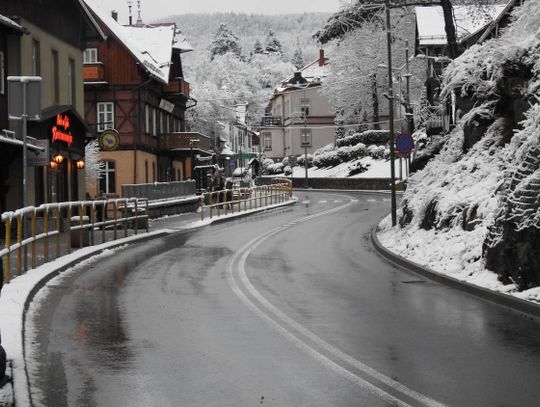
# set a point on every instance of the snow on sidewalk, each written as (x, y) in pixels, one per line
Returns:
(455, 253)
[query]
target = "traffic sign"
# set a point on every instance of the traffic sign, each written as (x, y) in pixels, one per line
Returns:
(404, 144)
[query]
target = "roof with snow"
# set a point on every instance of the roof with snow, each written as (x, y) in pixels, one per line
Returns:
(469, 20)
(151, 45)
(313, 74)
(7, 22)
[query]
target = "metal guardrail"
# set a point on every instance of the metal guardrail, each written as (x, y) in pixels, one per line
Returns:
(231, 200)
(66, 222)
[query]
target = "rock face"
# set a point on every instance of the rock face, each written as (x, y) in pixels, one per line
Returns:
(486, 178)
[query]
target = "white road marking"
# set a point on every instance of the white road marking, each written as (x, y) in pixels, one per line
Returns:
(307, 201)
(338, 201)
(371, 200)
(323, 201)
(284, 324)
(386, 199)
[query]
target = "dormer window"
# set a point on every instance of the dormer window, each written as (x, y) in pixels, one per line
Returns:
(90, 56)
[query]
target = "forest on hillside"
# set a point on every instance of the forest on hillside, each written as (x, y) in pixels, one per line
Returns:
(241, 58)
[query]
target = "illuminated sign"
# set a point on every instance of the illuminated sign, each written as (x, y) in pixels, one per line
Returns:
(62, 130)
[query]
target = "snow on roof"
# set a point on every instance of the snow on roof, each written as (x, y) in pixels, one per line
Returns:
(313, 73)
(150, 45)
(430, 22)
(8, 22)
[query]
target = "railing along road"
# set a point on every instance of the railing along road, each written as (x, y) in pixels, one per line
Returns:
(244, 199)
(56, 229)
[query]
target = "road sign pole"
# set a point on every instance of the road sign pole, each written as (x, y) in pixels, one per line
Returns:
(24, 118)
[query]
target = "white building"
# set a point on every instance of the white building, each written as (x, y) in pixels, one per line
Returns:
(299, 115)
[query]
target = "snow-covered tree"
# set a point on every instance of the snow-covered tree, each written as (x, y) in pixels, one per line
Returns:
(225, 41)
(258, 48)
(273, 46)
(298, 57)
(93, 165)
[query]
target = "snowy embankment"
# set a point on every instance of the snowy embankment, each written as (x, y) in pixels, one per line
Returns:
(455, 253)
(379, 168)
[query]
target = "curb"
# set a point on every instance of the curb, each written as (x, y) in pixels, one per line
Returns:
(504, 300)
(254, 211)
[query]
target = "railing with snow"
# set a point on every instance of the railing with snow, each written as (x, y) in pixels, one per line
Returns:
(245, 199)
(72, 224)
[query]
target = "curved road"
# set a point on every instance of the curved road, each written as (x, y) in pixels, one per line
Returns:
(288, 308)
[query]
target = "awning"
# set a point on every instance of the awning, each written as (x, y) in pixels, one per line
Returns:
(17, 142)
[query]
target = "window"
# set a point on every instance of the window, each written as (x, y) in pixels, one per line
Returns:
(305, 137)
(90, 56)
(154, 122)
(147, 119)
(36, 58)
(105, 116)
(71, 81)
(304, 107)
(267, 141)
(56, 77)
(107, 177)
(2, 74)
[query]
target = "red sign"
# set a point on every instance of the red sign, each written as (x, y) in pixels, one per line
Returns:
(62, 131)
(404, 144)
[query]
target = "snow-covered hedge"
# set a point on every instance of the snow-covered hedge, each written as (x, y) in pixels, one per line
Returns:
(349, 153)
(276, 168)
(301, 160)
(326, 159)
(366, 137)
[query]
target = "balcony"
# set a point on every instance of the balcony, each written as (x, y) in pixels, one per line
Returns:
(177, 86)
(94, 72)
(181, 142)
(270, 121)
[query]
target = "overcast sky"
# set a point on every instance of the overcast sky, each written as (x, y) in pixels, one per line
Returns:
(154, 9)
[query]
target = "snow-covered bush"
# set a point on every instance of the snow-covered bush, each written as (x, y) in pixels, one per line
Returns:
(327, 148)
(349, 153)
(377, 152)
(326, 159)
(358, 168)
(267, 162)
(301, 160)
(285, 161)
(275, 168)
(287, 170)
(367, 137)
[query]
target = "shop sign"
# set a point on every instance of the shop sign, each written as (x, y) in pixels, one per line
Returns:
(61, 131)
(166, 105)
(39, 158)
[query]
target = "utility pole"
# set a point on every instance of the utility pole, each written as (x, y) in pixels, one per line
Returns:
(390, 98)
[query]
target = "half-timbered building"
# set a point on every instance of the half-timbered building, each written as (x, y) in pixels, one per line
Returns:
(135, 91)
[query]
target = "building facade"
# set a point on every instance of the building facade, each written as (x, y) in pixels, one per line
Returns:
(298, 116)
(135, 87)
(51, 46)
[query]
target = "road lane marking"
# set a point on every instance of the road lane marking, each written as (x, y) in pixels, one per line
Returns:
(284, 324)
(386, 199)
(323, 201)
(371, 200)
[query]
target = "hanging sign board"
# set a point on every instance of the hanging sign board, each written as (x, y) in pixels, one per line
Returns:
(39, 158)
(16, 97)
(166, 105)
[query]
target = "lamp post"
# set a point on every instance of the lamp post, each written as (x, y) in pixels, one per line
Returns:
(390, 97)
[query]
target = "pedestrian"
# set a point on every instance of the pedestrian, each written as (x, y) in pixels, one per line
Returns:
(218, 180)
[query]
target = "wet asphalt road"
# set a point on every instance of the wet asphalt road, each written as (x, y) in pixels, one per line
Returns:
(288, 308)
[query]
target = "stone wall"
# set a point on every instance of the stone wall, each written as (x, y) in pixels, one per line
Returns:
(159, 190)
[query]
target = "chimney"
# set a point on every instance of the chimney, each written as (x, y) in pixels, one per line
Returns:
(139, 22)
(130, 4)
(322, 59)
(114, 15)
